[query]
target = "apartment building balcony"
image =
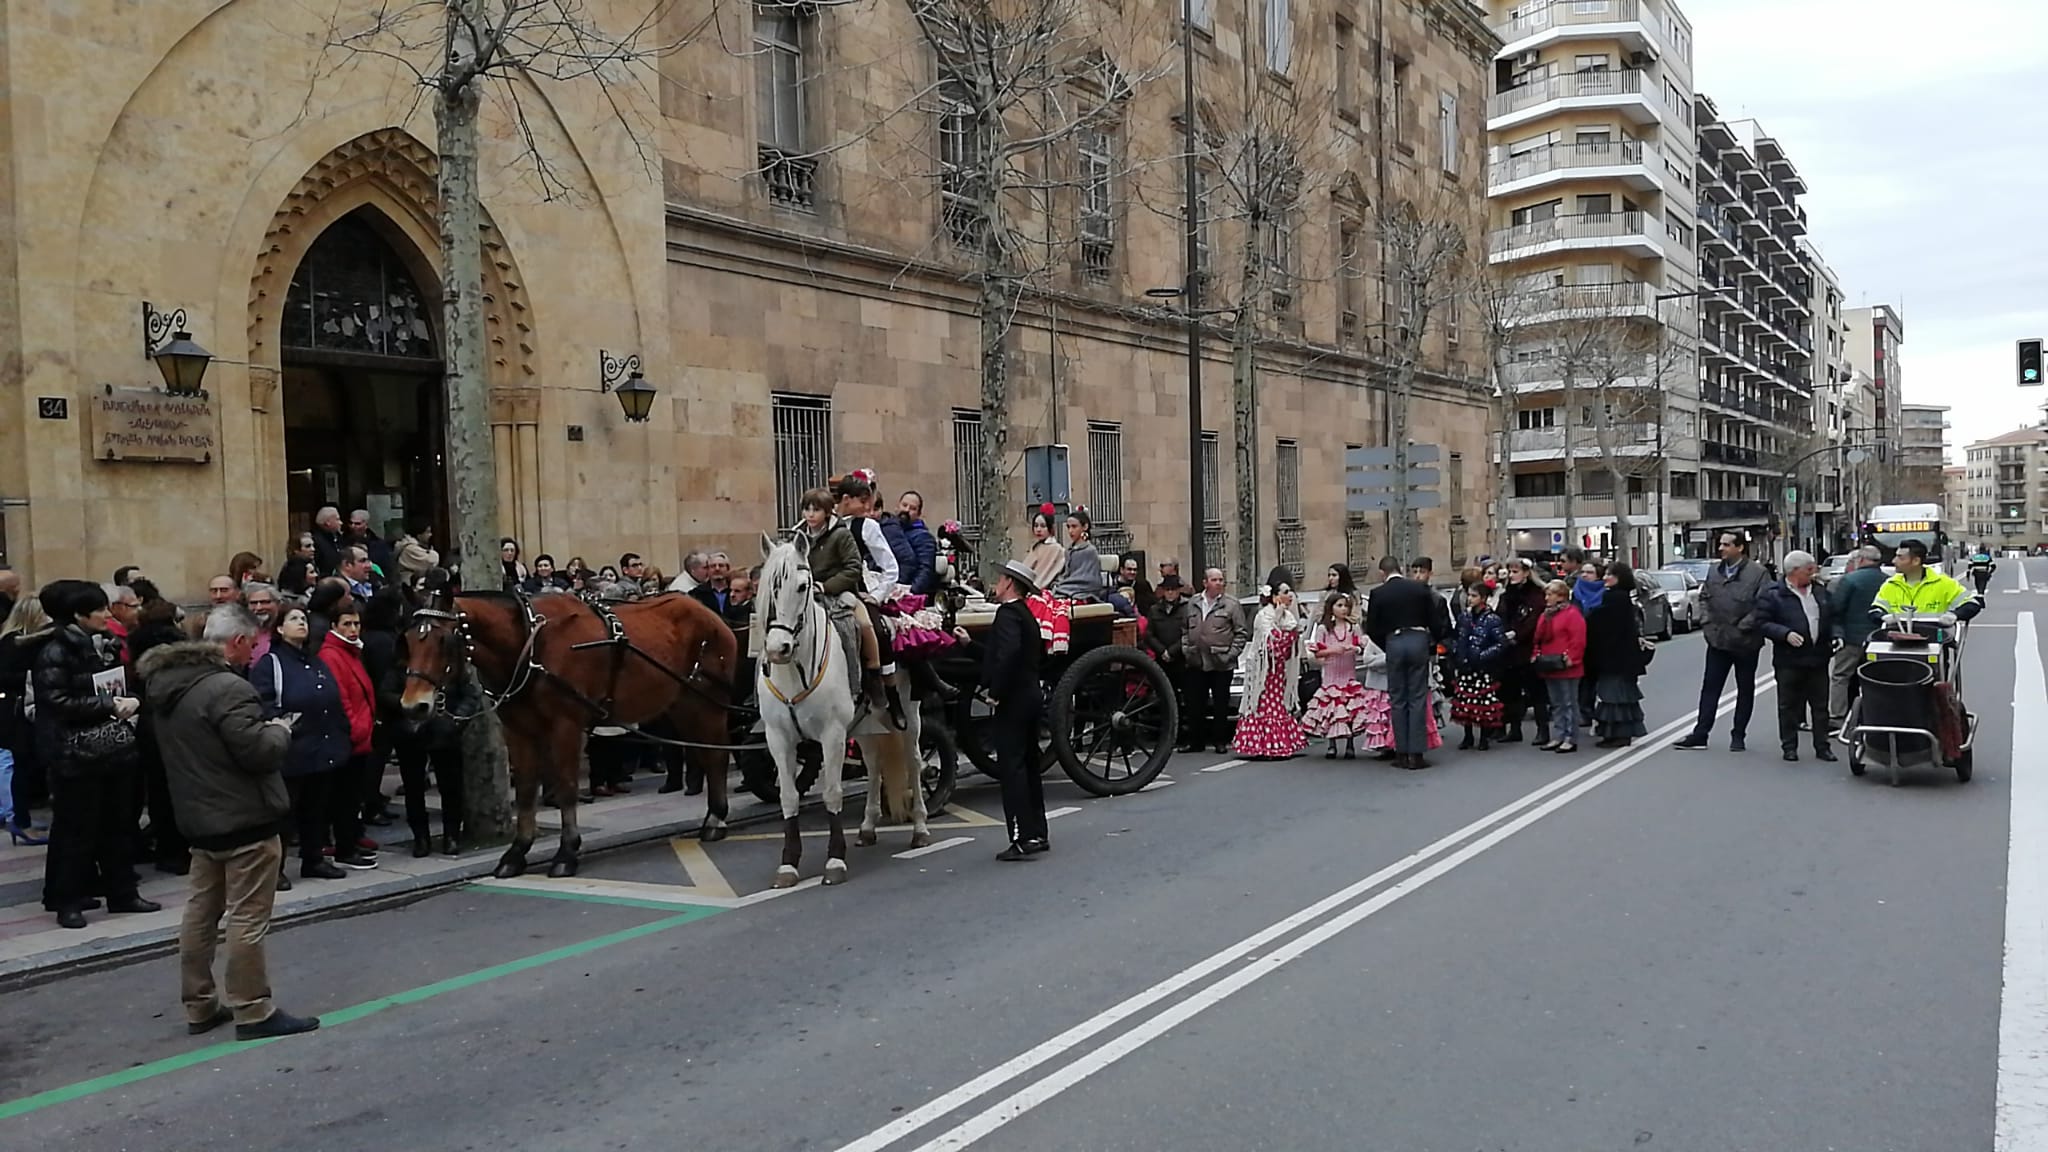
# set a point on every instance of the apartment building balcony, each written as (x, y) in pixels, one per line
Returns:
(1536, 26)
(1734, 509)
(1625, 92)
(1714, 453)
(1628, 232)
(1581, 302)
(1548, 511)
(1631, 439)
(1632, 162)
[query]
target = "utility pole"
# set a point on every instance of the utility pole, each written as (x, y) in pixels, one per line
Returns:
(1191, 297)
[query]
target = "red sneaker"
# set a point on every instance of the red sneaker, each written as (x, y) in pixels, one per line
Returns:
(368, 845)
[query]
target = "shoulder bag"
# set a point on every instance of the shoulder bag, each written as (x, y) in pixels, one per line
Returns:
(99, 749)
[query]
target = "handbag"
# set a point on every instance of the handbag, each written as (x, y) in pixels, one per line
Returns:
(1550, 662)
(108, 746)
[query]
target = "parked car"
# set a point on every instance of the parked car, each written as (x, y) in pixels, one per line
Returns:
(1836, 566)
(1682, 591)
(1655, 605)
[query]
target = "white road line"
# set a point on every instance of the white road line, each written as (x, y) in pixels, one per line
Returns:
(1023, 1063)
(1080, 1070)
(941, 846)
(1154, 786)
(1226, 766)
(1059, 812)
(2022, 1116)
(2021, 569)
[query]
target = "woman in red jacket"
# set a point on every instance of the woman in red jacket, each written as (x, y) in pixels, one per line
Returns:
(1559, 658)
(342, 652)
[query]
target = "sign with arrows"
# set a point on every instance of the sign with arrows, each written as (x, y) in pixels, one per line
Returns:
(1369, 478)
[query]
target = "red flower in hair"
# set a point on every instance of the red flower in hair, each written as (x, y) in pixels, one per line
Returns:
(1046, 509)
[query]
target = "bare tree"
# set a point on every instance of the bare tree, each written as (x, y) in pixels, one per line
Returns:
(1506, 313)
(459, 50)
(1424, 252)
(1270, 158)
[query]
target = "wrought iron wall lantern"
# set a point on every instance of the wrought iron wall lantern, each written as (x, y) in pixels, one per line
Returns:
(181, 362)
(621, 375)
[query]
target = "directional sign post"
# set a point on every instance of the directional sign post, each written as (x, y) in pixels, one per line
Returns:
(1369, 478)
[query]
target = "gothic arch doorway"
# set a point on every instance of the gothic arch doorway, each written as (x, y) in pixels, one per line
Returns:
(363, 406)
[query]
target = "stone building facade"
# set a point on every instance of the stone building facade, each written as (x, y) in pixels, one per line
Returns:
(786, 283)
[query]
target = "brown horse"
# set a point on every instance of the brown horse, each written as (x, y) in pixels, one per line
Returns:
(555, 666)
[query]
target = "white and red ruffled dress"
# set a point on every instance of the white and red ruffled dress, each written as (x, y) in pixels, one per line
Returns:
(1266, 727)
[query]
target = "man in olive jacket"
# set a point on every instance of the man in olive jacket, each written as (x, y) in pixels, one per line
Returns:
(222, 761)
(1215, 634)
(1734, 638)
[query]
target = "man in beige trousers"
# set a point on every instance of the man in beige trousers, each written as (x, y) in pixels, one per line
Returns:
(221, 759)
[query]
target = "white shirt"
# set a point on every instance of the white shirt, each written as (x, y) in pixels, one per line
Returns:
(1811, 603)
(882, 584)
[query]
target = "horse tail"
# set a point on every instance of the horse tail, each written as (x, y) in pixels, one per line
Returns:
(895, 778)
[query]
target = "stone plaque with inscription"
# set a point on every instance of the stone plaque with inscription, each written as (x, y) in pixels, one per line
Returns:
(148, 425)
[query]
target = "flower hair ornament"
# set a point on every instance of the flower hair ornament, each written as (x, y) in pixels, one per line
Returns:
(1047, 509)
(864, 475)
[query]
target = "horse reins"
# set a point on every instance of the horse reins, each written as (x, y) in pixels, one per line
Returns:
(796, 632)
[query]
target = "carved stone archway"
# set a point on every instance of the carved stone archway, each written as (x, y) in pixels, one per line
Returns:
(395, 173)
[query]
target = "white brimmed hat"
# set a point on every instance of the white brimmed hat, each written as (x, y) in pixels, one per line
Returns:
(1022, 574)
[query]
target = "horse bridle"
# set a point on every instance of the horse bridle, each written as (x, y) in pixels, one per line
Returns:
(796, 633)
(525, 668)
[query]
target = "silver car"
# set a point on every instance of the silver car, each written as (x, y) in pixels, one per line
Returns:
(1682, 591)
(1655, 604)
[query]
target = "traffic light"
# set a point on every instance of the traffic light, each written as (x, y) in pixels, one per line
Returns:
(2030, 363)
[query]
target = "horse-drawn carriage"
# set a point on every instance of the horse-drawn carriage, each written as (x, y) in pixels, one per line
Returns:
(1112, 719)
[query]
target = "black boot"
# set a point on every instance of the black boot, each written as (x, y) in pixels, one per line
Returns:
(422, 843)
(1484, 743)
(894, 703)
(1465, 745)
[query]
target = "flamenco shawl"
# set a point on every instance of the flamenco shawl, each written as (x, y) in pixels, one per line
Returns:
(1256, 662)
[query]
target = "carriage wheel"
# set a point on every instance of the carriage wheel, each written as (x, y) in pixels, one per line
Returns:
(757, 772)
(938, 765)
(1114, 720)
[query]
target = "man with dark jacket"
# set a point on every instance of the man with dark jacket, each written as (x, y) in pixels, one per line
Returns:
(1796, 622)
(327, 541)
(222, 760)
(921, 575)
(1009, 680)
(1166, 629)
(1734, 639)
(1849, 601)
(1406, 618)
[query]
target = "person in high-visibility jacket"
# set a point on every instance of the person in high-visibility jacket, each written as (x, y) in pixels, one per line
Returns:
(1921, 590)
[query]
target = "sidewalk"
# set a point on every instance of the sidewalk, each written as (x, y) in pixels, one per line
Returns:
(31, 944)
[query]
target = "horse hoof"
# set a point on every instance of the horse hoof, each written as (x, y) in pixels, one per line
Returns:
(835, 872)
(507, 869)
(785, 877)
(561, 868)
(866, 838)
(711, 833)
(920, 839)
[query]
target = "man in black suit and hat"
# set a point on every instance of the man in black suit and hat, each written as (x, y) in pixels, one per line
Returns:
(1009, 681)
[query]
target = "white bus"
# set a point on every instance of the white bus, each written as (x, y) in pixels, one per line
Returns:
(1891, 525)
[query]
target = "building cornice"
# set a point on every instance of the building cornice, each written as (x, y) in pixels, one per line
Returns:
(837, 265)
(1466, 25)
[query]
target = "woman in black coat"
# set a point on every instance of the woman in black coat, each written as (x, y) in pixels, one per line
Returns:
(80, 690)
(1615, 660)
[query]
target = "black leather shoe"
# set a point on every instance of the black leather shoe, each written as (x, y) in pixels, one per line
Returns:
(132, 903)
(1034, 847)
(71, 918)
(1735, 744)
(1825, 753)
(1692, 743)
(1014, 853)
(422, 845)
(320, 870)
(1791, 756)
(284, 882)
(279, 1024)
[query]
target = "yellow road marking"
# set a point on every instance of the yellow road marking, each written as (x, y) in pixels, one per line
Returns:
(697, 865)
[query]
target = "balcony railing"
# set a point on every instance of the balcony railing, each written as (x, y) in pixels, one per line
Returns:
(1586, 440)
(1605, 225)
(1585, 509)
(1572, 85)
(1727, 509)
(1534, 18)
(1563, 156)
(1587, 300)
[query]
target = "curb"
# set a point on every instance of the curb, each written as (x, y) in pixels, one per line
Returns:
(115, 952)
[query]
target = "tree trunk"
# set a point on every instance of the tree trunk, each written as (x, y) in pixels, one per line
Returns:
(1603, 436)
(1571, 520)
(1400, 528)
(1244, 403)
(997, 302)
(471, 465)
(1504, 469)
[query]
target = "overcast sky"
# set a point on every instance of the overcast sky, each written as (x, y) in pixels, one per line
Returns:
(1922, 131)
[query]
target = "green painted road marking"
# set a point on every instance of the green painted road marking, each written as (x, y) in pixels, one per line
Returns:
(27, 1104)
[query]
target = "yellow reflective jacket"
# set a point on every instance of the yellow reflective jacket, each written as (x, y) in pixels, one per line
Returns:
(1933, 595)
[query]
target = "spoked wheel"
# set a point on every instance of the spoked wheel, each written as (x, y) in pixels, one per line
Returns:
(757, 772)
(938, 765)
(1114, 720)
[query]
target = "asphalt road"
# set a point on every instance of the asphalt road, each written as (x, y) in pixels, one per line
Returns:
(1661, 950)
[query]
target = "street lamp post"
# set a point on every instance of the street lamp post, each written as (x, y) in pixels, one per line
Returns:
(1191, 292)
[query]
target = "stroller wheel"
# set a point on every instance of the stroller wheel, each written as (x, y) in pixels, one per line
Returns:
(1856, 760)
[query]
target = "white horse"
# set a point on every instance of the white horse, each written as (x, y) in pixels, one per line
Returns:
(805, 691)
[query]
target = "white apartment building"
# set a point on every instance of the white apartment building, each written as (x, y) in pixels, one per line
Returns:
(1594, 215)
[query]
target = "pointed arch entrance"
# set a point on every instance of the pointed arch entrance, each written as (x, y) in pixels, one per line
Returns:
(363, 407)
